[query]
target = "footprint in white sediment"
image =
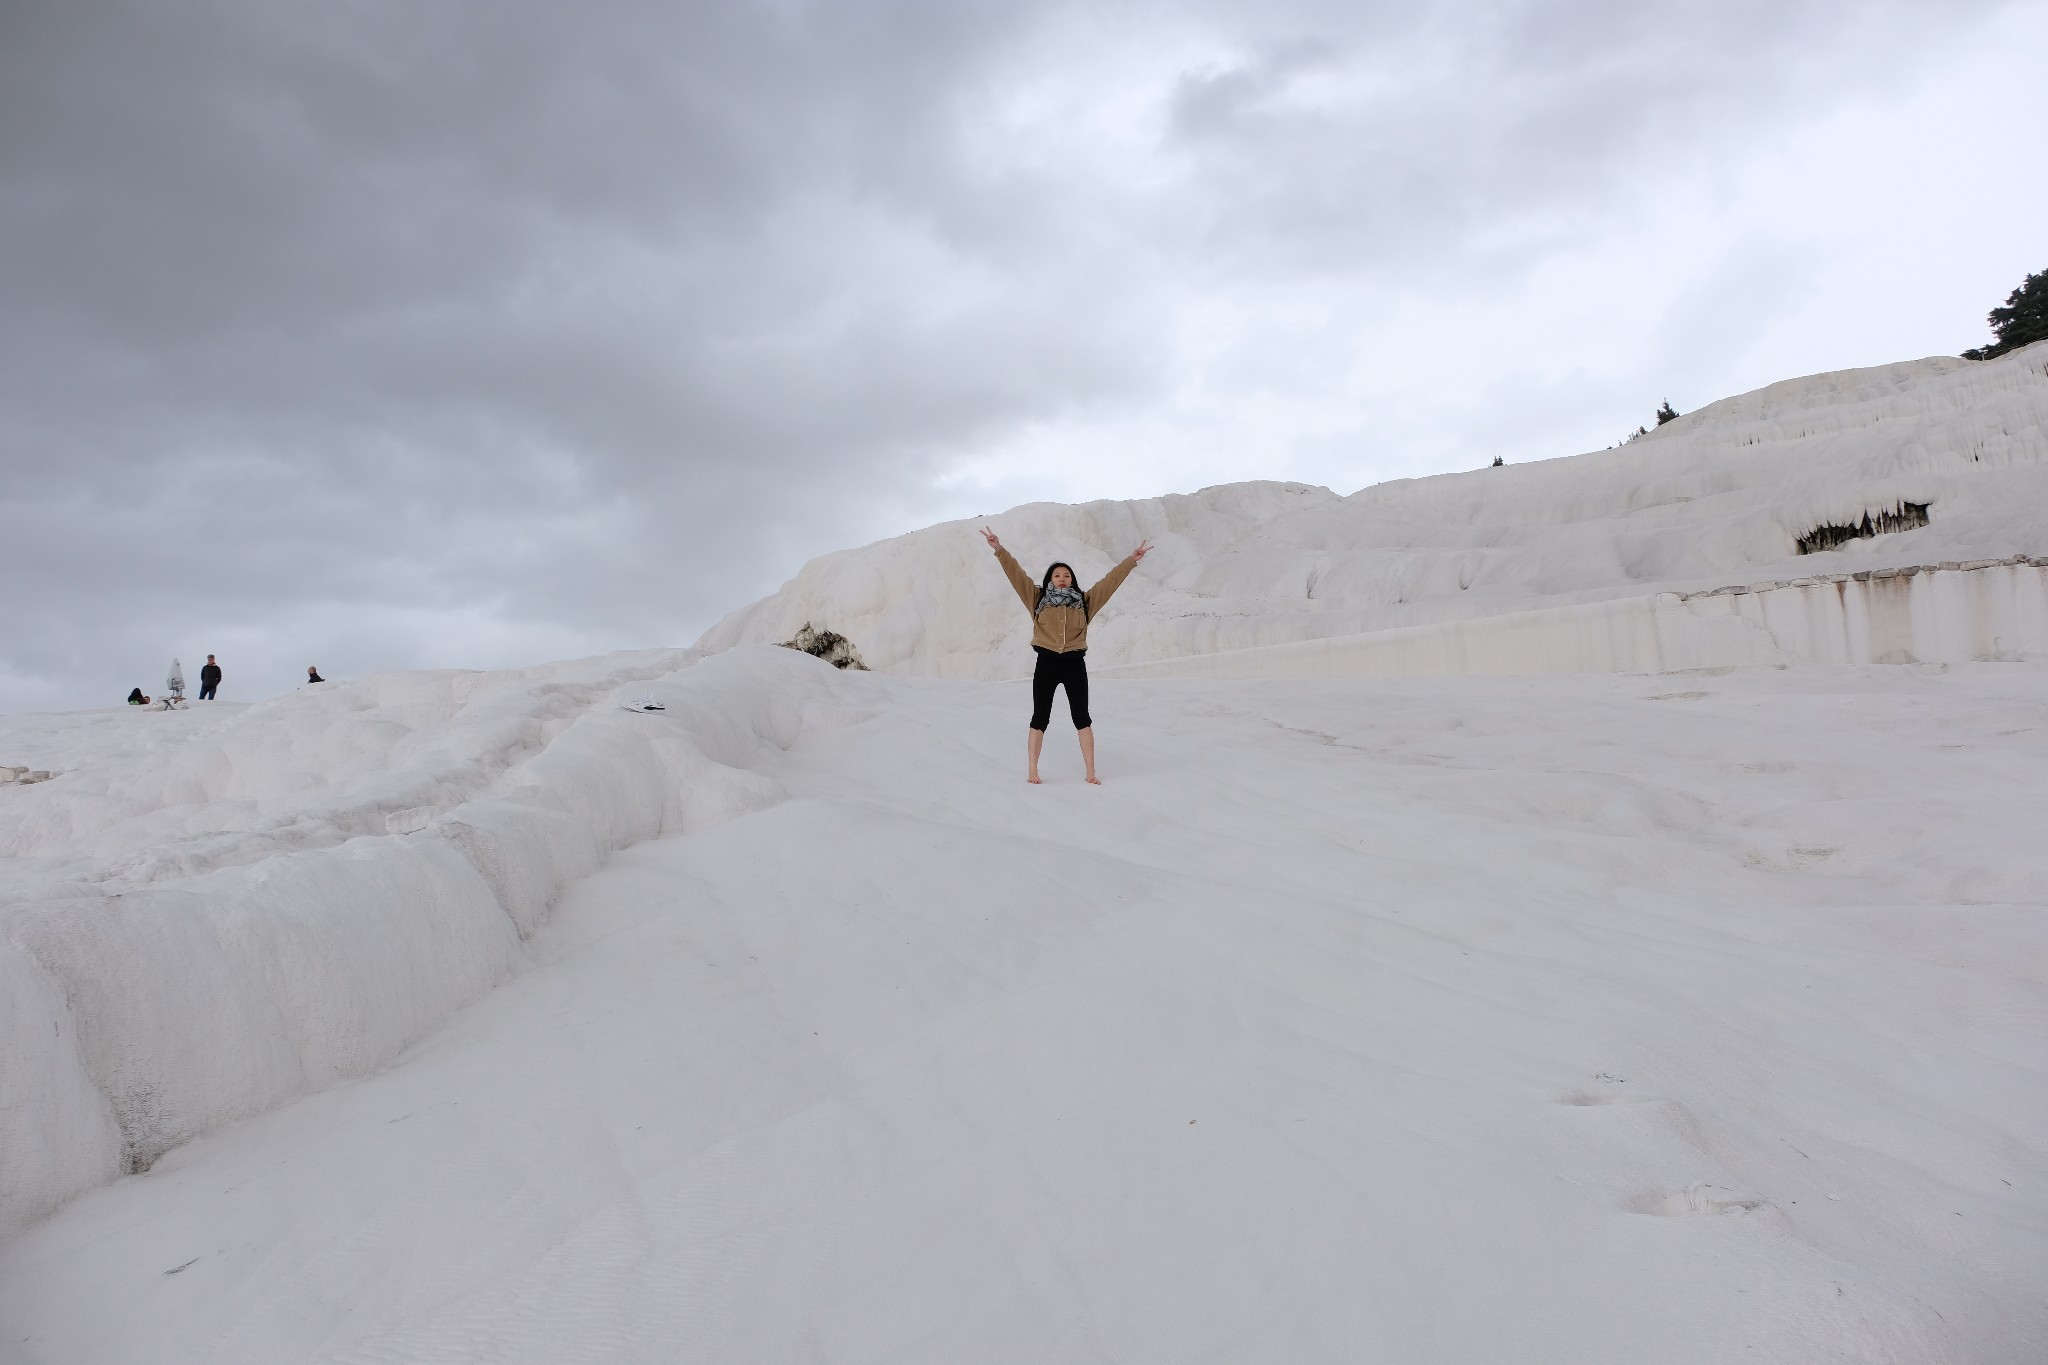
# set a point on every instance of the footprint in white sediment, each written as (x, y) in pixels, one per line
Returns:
(1787, 859)
(1629, 1128)
(1608, 1089)
(1694, 1199)
(1580, 1099)
(1644, 1121)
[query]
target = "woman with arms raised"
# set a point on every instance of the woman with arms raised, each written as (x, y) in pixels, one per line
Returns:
(1059, 636)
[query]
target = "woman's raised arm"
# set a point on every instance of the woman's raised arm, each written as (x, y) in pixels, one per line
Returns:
(1114, 579)
(1027, 591)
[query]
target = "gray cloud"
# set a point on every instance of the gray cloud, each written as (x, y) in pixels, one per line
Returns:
(390, 335)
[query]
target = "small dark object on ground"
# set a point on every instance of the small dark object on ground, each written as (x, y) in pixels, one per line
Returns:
(829, 645)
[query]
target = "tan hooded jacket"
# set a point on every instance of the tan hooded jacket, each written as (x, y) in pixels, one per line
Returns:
(1063, 630)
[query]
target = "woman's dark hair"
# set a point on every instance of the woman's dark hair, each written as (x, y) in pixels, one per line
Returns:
(1046, 582)
(136, 695)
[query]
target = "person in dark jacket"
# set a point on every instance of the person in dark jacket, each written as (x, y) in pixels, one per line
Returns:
(313, 674)
(209, 679)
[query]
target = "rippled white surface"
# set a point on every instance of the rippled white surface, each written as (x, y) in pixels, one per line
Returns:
(1452, 1020)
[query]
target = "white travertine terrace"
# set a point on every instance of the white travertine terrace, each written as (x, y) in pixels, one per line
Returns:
(1715, 499)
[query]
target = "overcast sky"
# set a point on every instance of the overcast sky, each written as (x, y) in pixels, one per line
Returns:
(396, 333)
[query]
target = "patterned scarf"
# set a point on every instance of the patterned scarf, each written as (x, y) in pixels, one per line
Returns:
(1061, 597)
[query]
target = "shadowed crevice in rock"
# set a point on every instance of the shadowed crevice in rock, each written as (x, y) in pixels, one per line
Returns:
(1905, 516)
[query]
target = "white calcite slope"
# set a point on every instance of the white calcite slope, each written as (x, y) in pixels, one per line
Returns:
(1446, 1021)
(1971, 611)
(230, 911)
(1718, 497)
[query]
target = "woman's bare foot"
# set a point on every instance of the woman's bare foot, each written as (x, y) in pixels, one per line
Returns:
(1092, 778)
(1031, 778)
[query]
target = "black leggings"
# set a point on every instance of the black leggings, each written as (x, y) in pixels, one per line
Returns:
(1053, 669)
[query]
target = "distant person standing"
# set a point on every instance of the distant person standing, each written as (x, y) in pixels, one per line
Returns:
(313, 674)
(209, 679)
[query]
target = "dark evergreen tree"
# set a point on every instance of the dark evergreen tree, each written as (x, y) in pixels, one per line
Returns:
(2022, 321)
(1667, 413)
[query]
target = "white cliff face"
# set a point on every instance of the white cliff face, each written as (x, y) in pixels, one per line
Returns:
(934, 602)
(1720, 496)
